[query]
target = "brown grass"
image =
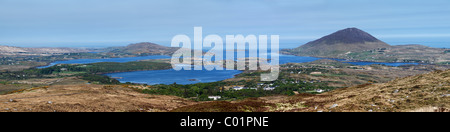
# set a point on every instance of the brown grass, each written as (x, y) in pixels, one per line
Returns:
(87, 98)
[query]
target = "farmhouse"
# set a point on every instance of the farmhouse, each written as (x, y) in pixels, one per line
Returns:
(214, 97)
(316, 73)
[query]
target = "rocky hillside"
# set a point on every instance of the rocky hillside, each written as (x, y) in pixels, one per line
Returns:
(407, 94)
(340, 42)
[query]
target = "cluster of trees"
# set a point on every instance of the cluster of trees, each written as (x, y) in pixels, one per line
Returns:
(283, 86)
(201, 91)
(99, 78)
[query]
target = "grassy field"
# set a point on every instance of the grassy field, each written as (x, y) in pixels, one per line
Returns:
(7, 87)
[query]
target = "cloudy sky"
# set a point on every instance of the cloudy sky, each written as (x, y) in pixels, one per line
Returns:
(102, 23)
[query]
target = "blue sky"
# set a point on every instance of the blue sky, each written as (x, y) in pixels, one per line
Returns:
(102, 23)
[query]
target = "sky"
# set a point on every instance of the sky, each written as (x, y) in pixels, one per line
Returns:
(104, 23)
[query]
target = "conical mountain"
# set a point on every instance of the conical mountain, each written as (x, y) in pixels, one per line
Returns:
(340, 43)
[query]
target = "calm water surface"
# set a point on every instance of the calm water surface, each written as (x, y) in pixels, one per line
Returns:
(189, 76)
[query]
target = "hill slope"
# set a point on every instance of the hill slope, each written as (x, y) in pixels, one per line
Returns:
(338, 43)
(74, 95)
(406, 94)
(144, 48)
(426, 92)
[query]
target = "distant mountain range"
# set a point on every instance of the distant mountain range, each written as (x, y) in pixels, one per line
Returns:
(139, 49)
(11, 50)
(355, 44)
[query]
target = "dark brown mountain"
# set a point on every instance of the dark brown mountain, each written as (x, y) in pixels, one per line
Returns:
(144, 48)
(339, 43)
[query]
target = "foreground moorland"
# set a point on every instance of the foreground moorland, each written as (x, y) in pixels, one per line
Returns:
(74, 95)
(422, 93)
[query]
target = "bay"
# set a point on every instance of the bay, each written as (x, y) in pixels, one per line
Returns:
(190, 76)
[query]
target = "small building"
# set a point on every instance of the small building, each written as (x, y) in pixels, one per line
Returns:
(269, 88)
(320, 90)
(238, 88)
(214, 97)
(316, 73)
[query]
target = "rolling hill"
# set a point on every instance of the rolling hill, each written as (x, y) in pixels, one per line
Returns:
(144, 48)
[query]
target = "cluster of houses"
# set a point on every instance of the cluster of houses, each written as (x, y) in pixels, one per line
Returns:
(297, 81)
(267, 87)
(299, 67)
(264, 88)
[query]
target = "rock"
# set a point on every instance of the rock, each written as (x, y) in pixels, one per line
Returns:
(392, 101)
(396, 91)
(49, 102)
(333, 106)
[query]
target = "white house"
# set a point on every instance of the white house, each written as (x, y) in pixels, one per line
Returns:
(214, 97)
(320, 90)
(269, 88)
(238, 88)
